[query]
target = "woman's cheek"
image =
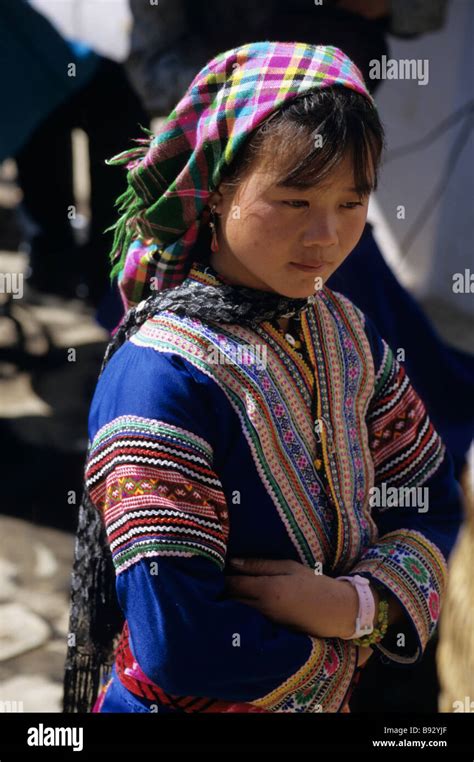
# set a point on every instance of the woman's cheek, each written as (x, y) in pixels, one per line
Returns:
(274, 223)
(353, 229)
(235, 230)
(260, 228)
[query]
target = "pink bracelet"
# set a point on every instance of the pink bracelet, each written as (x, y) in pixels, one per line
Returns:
(366, 613)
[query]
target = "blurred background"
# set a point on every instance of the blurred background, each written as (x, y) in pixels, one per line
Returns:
(77, 79)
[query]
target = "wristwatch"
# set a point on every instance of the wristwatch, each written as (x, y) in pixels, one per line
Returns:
(366, 613)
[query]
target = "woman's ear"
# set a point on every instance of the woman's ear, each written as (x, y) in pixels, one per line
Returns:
(216, 199)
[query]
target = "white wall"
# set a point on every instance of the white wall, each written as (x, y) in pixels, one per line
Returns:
(103, 24)
(445, 241)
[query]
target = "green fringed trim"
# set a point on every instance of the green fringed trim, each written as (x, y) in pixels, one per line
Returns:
(129, 204)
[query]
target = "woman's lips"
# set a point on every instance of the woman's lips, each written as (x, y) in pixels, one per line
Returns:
(309, 268)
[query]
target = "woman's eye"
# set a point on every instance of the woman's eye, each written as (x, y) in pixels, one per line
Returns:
(352, 204)
(300, 203)
(295, 203)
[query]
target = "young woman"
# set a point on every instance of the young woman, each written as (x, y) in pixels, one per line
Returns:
(247, 411)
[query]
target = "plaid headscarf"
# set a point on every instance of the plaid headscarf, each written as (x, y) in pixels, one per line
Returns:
(172, 175)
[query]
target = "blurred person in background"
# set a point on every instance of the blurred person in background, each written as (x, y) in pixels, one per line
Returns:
(171, 41)
(49, 86)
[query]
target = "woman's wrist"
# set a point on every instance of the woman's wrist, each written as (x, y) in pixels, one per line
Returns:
(350, 608)
(350, 603)
(332, 606)
(336, 611)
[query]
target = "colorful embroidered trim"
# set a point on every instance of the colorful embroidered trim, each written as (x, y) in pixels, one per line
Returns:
(157, 491)
(414, 571)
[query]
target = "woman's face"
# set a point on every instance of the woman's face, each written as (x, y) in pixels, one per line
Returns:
(266, 231)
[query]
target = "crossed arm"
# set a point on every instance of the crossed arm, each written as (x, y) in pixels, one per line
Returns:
(287, 591)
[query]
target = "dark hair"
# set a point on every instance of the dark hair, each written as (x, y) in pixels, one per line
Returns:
(345, 119)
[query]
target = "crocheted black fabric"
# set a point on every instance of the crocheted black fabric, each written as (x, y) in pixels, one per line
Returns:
(220, 303)
(95, 615)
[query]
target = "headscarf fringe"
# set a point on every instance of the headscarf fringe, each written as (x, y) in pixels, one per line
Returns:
(130, 205)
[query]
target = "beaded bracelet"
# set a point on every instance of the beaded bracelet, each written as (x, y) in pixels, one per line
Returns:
(380, 629)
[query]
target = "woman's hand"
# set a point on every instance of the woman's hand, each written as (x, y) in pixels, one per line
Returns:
(294, 595)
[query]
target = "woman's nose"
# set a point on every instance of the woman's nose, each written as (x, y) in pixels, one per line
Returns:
(321, 232)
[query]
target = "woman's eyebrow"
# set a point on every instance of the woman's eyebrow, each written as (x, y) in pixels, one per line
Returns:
(363, 190)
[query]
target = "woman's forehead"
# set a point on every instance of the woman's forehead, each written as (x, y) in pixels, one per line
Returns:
(341, 176)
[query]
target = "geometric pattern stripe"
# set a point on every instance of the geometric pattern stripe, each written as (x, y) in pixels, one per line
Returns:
(157, 492)
(406, 448)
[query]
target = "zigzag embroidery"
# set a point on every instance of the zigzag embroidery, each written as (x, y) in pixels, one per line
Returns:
(385, 359)
(145, 444)
(130, 516)
(381, 409)
(151, 462)
(161, 429)
(430, 467)
(157, 528)
(398, 459)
